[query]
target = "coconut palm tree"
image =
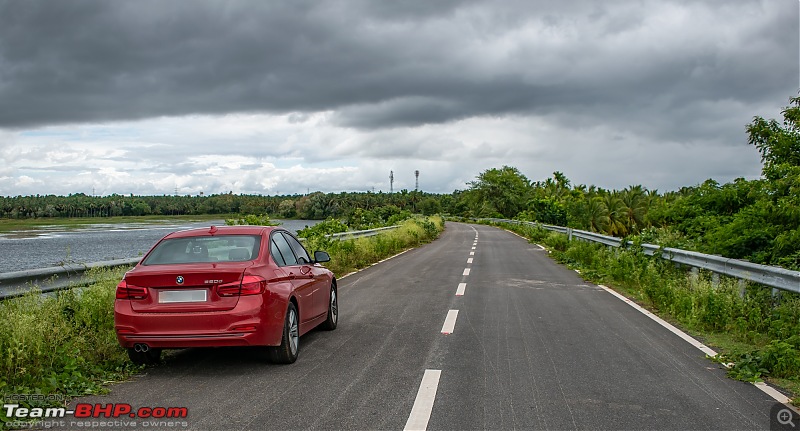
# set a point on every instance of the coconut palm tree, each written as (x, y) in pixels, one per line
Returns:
(597, 214)
(616, 214)
(635, 208)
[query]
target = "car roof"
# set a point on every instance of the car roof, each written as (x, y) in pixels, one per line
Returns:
(222, 230)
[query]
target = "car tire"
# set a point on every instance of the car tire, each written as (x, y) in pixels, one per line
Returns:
(150, 357)
(333, 311)
(287, 352)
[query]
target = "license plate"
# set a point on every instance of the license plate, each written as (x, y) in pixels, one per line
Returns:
(169, 296)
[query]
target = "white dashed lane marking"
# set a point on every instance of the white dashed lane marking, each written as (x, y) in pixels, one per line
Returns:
(466, 271)
(461, 288)
(469, 260)
(450, 322)
(423, 404)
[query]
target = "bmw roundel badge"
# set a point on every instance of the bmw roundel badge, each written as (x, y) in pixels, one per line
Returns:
(179, 280)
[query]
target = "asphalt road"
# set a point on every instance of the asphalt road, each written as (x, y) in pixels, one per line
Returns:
(532, 346)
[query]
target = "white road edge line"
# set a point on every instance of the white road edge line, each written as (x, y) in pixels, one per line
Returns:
(423, 404)
(461, 288)
(772, 392)
(686, 337)
(450, 322)
(466, 271)
(384, 260)
(469, 260)
(526, 239)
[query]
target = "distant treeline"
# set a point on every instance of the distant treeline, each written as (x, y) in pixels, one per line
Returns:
(314, 206)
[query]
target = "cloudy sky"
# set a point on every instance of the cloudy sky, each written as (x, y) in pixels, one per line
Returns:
(271, 97)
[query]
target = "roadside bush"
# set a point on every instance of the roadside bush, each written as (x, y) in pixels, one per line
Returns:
(326, 227)
(61, 344)
(251, 219)
(353, 254)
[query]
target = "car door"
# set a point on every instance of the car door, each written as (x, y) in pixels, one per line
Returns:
(302, 282)
(317, 274)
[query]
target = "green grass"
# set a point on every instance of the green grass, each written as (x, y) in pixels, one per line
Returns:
(351, 255)
(62, 344)
(65, 343)
(759, 335)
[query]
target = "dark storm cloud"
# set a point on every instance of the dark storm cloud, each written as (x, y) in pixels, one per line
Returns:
(395, 64)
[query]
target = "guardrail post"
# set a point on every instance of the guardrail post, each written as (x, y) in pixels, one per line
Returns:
(694, 275)
(715, 280)
(742, 288)
(776, 296)
(569, 234)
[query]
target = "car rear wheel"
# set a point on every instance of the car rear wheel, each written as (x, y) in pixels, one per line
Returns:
(149, 357)
(333, 311)
(286, 353)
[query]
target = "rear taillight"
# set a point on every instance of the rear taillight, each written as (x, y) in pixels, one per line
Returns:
(129, 291)
(250, 285)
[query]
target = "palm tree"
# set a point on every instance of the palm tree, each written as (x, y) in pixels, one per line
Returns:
(597, 214)
(616, 214)
(635, 208)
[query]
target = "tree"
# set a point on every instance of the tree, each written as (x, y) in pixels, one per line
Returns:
(616, 215)
(597, 214)
(780, 152)
(779, 145)
(504, 190)
(635, 208)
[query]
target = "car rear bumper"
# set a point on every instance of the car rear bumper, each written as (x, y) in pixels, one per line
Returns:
(250, 323)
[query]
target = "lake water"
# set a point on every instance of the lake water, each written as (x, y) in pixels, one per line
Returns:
(53, 245)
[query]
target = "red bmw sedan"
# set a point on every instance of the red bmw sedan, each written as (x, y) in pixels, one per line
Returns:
(224, 286)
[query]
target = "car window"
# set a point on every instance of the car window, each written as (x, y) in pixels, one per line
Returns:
(276, 254)
(285, 249)
(298, 248)
(221, 248)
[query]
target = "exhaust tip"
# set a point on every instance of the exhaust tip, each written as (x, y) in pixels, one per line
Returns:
(140, 347)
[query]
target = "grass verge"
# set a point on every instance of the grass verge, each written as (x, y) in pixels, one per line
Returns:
(750, 328)
(351, 255)
(63, 345)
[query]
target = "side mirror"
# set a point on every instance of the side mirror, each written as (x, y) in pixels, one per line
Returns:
(321, 256)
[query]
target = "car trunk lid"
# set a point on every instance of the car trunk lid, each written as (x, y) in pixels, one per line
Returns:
(185, 287)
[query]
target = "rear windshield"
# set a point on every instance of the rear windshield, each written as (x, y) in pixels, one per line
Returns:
(222, 248)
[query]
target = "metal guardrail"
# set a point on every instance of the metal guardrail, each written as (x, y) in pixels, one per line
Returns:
(361, 233)
(773, 276)
(54, 278)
